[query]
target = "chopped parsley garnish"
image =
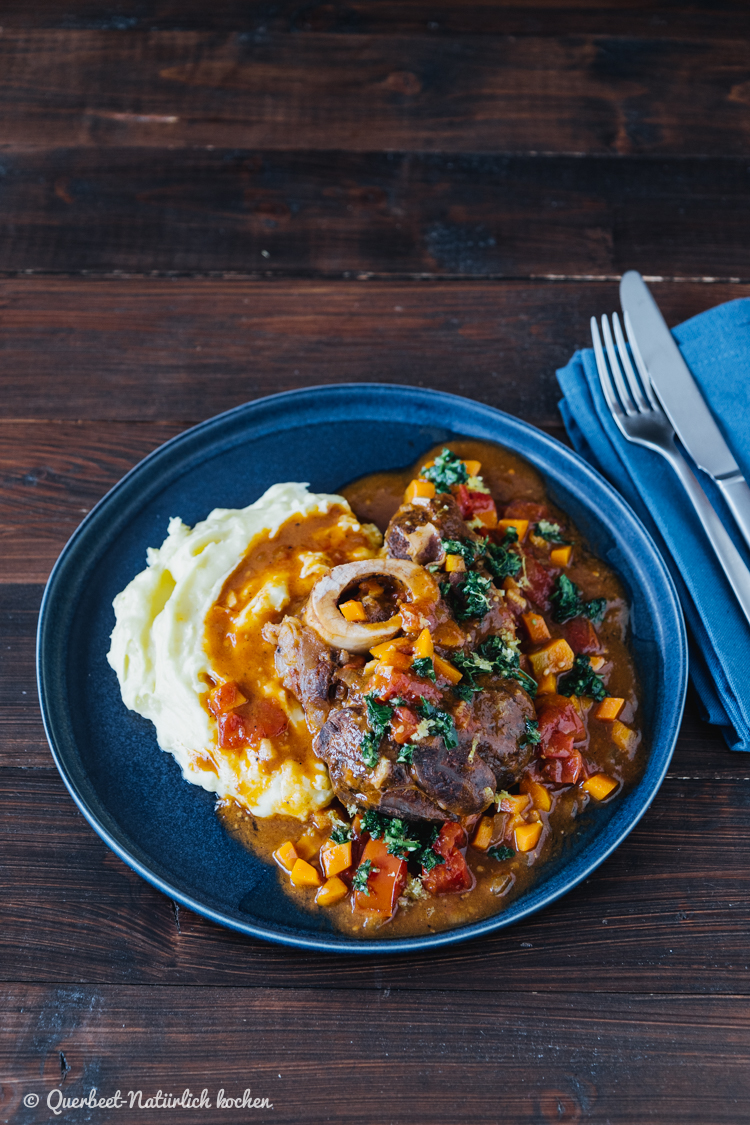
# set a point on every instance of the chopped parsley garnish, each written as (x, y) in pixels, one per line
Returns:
(439, 723)
(448, 469)
(531, 735)
(567, 602)
(468, 598)
(582, 680)
(379, 716)
(417, 845)
(406, 753)
(500, 562)
(552, 532)
(500, 852)
(424, 667)
(466, 548)
(342, 833)
(361, 875)
(496, 656)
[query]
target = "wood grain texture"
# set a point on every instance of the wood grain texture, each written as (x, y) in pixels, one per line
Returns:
(641, 18)
(701, 751)
(419, 1059)
(469, 93)
(667, 912)
(182, 350)
(390, 214)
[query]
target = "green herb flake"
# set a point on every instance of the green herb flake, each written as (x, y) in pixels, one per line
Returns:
(500, 852)
(466, 548)
(406, 753)
(582, 680)
(448, 469)
(531, 735)
(374, 823)
(379, 716)
(361, 875)
(469, 598)
(440, 723)
(424, 667)
(341, 833)
(567, 602)
(552, 532)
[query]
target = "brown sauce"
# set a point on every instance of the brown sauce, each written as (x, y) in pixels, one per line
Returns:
(374, 499)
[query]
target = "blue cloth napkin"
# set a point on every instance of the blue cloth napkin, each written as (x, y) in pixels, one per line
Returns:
(716, 348)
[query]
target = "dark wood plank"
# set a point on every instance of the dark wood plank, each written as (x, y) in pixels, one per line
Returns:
(472, 93)
(641, 18)
(667, 912)
(181, 349)
(341, 214)
(418, 1059)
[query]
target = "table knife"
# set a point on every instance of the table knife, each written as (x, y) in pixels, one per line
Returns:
(659, 360)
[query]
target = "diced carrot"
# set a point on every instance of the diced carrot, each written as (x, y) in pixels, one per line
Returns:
(370, 667)
(556, 656)
(487, 517)
(473, 468)
(308, 845)
(541, 796)
(599, 786)
(536, 627)
(400, 644)
(527, 836)
(424, 646)
(609, 709)
(515, 804)
(521, 526)
(547, 684)
(561, 556)
(335, 857)
(623, 737)
(419, 488)
(399, 660)
(286, 855)
(304, 875)
(353, 611)
(598, 662)
(483, 835)
(448, 671)
(332, 891)
(454, 563)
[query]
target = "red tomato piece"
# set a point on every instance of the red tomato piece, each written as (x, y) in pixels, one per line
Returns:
(525, 510)
(385, 883)
(390, 683)
(261, 718)
(405, 722)
(564, 771)
(556, 714)
(454, 875)
(539, 581)
(472, 502)
(224, 697)
(581, 635)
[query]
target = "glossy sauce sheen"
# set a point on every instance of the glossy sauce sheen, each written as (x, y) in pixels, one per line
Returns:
(374, 499)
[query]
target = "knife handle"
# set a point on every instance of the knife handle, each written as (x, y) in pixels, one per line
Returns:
(731, 561)
(737, 495)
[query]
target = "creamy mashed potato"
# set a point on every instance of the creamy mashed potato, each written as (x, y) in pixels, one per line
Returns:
(160, 652)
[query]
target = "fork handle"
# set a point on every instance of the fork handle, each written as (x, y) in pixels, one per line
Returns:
(731, 561)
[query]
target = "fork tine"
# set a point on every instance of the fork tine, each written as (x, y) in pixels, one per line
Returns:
(630, 375)
(604, 377)
(642, 369)
(627, 403)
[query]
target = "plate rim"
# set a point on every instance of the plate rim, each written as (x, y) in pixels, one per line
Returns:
(332, 942)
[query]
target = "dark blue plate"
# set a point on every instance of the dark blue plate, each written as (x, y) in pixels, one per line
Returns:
(133, 795)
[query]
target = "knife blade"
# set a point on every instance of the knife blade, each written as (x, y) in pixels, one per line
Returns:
(659, 359)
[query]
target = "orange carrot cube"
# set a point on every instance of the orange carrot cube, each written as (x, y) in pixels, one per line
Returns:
(561, 556)
(304, 875)
(424, 489)
(527, 836)
(286, 855)
(483, 836)
(353, 611)
(332, 891)
(599, 786)
(536, 627)
(609, 709)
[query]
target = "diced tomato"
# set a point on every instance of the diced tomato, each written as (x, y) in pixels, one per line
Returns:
(472, 502)
(404, 724)
(261, 718)
(224, 697)
(539, 581)
(525, 510)
(385, 883)
(454, 875)
(564, 771)
(556, 714)
(581, 635)
(389, 683)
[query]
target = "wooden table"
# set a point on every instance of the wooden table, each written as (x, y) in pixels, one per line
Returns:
(205, 203)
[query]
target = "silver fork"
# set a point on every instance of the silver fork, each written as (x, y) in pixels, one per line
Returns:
(641, 420)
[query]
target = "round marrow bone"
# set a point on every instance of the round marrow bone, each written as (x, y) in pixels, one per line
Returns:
(324, 616)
